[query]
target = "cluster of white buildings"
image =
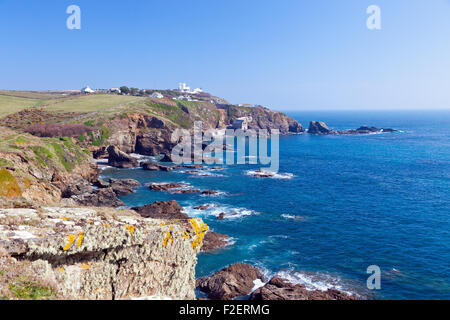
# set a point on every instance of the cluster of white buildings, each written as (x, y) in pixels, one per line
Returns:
(87, 90)
(184, 88)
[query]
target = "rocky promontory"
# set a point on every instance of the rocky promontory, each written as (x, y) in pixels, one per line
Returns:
(320, 128)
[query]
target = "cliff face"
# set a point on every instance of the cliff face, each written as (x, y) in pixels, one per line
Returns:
(94, 253)
(263, 118)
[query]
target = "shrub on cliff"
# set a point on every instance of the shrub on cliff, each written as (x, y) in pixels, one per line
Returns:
(58, 130)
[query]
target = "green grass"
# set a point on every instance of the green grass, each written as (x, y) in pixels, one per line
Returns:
(92, 103)
(10, 104)
(27, 290)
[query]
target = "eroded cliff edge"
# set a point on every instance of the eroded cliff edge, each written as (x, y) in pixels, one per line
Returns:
(98, 253)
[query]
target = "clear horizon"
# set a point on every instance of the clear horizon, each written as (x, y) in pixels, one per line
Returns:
(289, 55)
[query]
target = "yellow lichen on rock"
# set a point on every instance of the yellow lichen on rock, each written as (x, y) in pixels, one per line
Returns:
(80, 239)
(200, 229)
(130, 229)
(167, 239)
(71, 238)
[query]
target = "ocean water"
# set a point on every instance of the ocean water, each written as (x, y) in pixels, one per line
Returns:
(339, 205)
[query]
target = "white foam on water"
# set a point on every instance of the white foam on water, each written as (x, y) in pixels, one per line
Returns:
(216, 209)
(293, 217)
(273, 175)
(313, 281)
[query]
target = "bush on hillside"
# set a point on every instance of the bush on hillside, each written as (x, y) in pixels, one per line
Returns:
(58, 130)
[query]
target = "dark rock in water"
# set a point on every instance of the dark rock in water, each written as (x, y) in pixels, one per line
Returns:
(99, 198)
(166, 186)
(184, 191)
(123, 187)
(120, 159)
(193, 166)
(166, 158)
(263, 174)
(231, 282)
(203, 207)
(152, 166)
(319, 127)
(100, 183)
(281, 289)
(221, 216)
(214, 241)
(209, 192)
(389, 130)
(78, 187)
(162, 210)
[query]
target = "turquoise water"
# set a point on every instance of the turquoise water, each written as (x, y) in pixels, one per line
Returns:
(340, 204)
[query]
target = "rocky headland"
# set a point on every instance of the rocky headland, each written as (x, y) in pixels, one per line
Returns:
(61, 226)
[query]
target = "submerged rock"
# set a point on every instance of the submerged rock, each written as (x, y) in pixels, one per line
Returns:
(234, 281)
(281, 289)
(120, 159)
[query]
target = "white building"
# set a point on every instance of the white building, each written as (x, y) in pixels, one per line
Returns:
(87, 90)
(183, 87)
(115, 90)
(156, 95)
(241, 123)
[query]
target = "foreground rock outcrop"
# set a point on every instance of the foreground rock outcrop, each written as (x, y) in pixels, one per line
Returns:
(234, 281)
(93, 253)
(281, 289)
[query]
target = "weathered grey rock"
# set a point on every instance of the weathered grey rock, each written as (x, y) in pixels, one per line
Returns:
(120, 159)
(77, 187)
(281, 289)
(89, 254)
(99, 198)
(234, 281)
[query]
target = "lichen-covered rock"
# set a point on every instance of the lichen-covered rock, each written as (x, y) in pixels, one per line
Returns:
(93, 253)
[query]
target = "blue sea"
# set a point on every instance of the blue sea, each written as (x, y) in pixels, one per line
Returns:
(339, 205)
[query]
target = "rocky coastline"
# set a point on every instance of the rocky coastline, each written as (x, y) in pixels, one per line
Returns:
(60, 222)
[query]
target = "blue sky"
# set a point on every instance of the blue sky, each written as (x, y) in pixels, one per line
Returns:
(286, 54)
